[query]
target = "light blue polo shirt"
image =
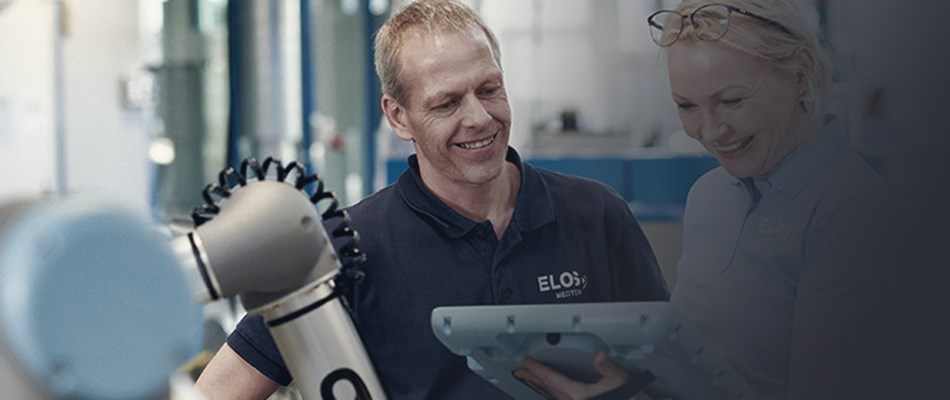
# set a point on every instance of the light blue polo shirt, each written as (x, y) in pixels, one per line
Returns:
(794, 249)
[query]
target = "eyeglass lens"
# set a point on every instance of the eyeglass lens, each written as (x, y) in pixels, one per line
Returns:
(665, 27)
(710, 21)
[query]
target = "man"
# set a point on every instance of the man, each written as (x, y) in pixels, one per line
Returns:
(468, 223)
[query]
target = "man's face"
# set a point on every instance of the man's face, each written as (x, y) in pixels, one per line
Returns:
(743, 110)
(456, 110)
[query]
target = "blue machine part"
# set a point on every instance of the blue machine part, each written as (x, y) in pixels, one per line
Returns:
(609, 170)
(93, 304)
(655, 186)
(658, 186)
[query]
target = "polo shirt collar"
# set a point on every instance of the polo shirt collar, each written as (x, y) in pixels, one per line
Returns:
(800, 167)
(533, 209)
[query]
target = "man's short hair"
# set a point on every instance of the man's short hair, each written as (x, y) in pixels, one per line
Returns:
(422, 17)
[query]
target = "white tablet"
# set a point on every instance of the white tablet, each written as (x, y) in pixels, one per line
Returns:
(640, 336)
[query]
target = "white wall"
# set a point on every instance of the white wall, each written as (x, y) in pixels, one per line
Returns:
(105, 144)
(27, 150)
(595, 56)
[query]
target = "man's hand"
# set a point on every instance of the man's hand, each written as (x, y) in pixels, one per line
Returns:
(557, 386)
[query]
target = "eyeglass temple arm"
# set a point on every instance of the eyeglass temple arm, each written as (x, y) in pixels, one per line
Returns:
(756, 16)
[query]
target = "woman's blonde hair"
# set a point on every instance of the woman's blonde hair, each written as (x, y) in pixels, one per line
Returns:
(771, 43)
(425, 17)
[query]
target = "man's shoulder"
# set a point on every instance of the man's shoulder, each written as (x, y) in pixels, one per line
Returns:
(376, 203)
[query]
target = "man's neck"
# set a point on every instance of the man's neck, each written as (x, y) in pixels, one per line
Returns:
(493, 200)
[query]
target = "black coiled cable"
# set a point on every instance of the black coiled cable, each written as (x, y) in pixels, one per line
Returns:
(229, 180)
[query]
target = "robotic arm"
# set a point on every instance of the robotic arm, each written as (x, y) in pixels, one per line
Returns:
(259, 237)
(95, 304)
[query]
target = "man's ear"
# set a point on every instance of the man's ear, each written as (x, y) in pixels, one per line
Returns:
(397, 117)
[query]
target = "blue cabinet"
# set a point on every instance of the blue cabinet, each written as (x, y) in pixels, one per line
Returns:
(655, 186)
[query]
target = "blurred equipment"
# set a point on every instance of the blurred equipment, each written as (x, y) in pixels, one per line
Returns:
(182, 90)
(266, 78)
(93, 304)
(260, 237)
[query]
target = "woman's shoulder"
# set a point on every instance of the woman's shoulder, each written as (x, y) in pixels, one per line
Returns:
(714, 181)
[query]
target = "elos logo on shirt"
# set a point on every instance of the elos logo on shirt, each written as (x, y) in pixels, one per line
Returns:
(566, 284)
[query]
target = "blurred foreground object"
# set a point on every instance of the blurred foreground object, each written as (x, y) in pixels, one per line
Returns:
(83, 286)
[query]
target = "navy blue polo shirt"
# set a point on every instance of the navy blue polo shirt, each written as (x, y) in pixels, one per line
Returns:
(570, 240)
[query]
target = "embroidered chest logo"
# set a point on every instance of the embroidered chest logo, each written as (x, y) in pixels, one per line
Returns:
(774, 228)
(567, 284)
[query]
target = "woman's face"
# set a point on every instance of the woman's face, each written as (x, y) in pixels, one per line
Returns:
(742, 109)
